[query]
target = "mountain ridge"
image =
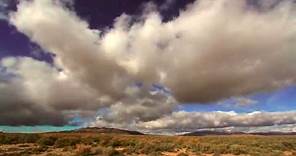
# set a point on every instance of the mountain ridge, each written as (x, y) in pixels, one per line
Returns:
(207, 132)
(105, 130)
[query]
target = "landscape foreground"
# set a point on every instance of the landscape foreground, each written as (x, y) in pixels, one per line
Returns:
(119, 143)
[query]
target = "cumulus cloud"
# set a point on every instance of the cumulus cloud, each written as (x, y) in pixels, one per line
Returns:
(190, 121)
(137, 108)
(76, 47)
(33, 90)
(286, 128)
(81, 57)
(212, 51)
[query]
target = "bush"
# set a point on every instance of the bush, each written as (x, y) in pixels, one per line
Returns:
(111, 152)
(29, 138)
(167, 147)
(288, 145)
(104, 144)
(237, 149)
(64, 142)
(47, 141)
(40, 149)
(7, 139)
(88, 141)
(83, 150)
(114, 143)
(18, 138)
(98, 150)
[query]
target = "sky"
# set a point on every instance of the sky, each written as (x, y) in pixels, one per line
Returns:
(154, 66)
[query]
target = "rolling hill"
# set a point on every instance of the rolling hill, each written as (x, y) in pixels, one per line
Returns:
(104, 130)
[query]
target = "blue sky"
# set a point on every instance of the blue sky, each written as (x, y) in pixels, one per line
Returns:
(280, 100)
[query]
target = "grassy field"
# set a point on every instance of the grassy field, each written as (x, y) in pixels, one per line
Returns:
(87, 144)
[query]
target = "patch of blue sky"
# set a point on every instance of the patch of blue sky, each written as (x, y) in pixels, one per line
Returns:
(277, 101)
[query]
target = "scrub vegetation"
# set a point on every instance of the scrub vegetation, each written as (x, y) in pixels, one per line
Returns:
(87, 144)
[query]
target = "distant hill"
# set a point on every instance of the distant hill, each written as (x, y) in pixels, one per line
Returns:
(106, 131)
(204, 133)
(273, 133)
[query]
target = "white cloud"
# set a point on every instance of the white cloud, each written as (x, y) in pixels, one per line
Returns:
(37, 89)
(82, 58)
(212, 44)
(214, 50)
(285, 128)
(192, 121)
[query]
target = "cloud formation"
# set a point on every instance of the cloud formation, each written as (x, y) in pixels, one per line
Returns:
(34, 92)
(190, 121)
(212, 51)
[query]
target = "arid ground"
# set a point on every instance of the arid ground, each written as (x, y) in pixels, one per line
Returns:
(88, 143)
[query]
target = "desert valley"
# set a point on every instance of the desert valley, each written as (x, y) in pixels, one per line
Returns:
(116, 142)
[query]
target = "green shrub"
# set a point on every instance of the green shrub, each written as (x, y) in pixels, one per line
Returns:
(88, 141)
(288, 146)
(40, 149)
(18, 138)
(64, 142)
(28, 138)
(238, 149)
(111, 152)
(7, 139)
(98, 151)
(167, 147)
(47, 141)
(114, 143)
